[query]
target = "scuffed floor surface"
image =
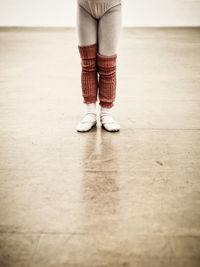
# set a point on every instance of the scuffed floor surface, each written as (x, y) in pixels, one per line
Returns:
(130, 198)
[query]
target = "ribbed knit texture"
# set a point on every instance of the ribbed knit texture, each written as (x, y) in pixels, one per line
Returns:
(106, 67)
(89, 76)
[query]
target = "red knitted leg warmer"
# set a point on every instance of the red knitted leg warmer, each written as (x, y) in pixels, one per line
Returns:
(89, 77)
(106, 67)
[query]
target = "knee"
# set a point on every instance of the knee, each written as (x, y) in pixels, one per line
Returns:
(106, 65)
(88, 54)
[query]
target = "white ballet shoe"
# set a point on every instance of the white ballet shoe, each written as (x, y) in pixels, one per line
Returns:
(109, 124)
(107, 121)
(87, 123)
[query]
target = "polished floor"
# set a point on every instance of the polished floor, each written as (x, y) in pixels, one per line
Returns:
(100, 199)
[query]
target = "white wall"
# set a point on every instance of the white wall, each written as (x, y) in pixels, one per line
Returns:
(135, 12)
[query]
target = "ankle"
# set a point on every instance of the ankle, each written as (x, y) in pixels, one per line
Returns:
(105, 111)
(90, 108)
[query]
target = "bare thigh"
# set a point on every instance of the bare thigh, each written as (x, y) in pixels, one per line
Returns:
(86, 27)
(109, 30)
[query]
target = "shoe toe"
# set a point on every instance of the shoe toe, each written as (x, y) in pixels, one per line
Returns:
(111, 127)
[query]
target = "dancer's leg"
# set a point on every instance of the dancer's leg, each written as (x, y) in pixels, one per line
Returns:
(109, 31)
(87, 46)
